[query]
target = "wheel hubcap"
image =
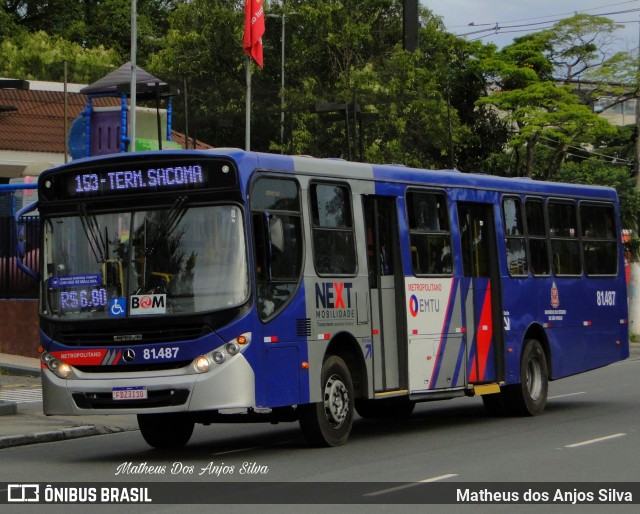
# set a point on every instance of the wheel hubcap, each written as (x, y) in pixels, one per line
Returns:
(336, 401)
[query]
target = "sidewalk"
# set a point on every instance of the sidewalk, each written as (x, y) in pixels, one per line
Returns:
(23, 422)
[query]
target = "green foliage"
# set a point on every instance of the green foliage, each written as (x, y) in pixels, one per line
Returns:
(203, 50)
(544, 109)
(536, 106)
(600, 173)
(436, 107)
(89, 23)
(520, 64)
(38, 56)
(578, 43)
(8, 26)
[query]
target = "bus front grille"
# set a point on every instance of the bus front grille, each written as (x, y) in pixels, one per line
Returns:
(131, 337)
(133, 368)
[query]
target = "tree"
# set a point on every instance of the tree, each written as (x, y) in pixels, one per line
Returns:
(8, 26)
(203, 49)
(38, 56)
(546, 110)
(595, 171)
(576, 45)
(536, 105)
(91, 23)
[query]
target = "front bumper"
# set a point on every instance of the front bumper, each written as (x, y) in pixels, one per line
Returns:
(230, 385)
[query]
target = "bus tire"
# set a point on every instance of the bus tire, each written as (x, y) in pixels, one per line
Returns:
(165, 431)
(328, 423)
(388, 408)
(529, 397)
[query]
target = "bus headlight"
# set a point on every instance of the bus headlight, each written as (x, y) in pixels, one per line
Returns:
(220, 355)
(202, 364)
(57, 367)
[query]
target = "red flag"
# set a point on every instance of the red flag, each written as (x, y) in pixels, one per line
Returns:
(253, 29)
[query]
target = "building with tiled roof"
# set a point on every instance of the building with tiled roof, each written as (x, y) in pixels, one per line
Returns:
(33, 132)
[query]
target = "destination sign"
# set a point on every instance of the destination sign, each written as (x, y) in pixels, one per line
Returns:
(138, 177)
(132, 180)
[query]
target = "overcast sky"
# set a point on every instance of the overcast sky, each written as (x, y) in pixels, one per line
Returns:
(517, 17)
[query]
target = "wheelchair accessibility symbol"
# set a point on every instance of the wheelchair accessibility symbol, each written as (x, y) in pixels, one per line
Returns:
(117, 307)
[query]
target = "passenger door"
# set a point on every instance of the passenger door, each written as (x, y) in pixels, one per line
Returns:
(481, 291)
(385, 285)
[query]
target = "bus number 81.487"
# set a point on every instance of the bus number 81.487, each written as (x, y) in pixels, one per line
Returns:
(160, 353)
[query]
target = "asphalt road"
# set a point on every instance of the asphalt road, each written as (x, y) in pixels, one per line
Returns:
(588, 433)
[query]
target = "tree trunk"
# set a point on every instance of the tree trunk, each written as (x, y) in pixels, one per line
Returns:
(556, 160)
(531, 145)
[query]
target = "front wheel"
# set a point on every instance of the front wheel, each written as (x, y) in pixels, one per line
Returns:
(165, 430)
(328, 423)
(529, 397)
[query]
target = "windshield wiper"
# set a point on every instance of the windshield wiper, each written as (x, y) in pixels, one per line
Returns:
(91, 228)
(176, 213)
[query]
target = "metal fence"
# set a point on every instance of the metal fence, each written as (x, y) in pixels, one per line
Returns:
(14, 283)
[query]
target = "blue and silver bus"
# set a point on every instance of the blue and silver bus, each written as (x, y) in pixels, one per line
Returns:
(227, 286)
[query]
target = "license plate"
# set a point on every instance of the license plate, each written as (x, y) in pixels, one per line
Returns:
(129, 393)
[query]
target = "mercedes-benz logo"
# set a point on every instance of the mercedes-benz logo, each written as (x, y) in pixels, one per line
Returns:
(128, 355)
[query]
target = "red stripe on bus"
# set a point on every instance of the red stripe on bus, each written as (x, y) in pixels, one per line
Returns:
(484, 333)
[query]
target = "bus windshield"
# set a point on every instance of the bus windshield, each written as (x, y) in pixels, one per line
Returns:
(171, 261)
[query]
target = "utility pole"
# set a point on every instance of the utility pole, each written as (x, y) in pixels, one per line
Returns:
(410, 25)
(634, 266)
(133, 100)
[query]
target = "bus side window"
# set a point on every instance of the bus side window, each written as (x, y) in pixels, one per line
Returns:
(563, 231)
(517, 264)
(334, 251)
(277, 242)
(430, 239)
(537, 237)
(599, 243)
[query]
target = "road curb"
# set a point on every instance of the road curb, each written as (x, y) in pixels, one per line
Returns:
(62, 434)
(8, 408)
(17, 369)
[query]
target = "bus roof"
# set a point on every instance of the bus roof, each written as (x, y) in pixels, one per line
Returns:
(339, 168)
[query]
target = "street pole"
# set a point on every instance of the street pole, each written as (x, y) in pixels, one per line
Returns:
(634, 265)
(247, 108)
(133, 99)
(282, 83)
(282, 89)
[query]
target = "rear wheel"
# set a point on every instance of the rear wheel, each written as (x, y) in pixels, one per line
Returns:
(529, 397)
(165, 430)
(328, 423)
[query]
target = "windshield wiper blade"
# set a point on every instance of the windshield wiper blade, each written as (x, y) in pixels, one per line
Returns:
(92, 230)
(177, 212)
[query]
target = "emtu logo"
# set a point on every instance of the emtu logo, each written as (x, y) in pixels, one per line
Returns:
(422, 305)
(413, 305)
